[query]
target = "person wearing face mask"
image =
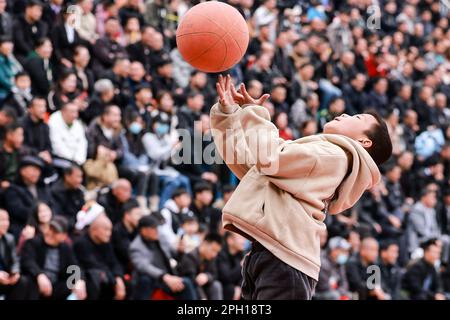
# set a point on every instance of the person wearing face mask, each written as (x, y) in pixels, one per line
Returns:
(160, 144)
(333, 284)
(135, 163)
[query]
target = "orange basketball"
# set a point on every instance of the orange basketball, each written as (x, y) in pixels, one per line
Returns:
(212, 36)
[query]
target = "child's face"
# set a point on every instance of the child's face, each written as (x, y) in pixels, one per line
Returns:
(190, 228)
(23, 82)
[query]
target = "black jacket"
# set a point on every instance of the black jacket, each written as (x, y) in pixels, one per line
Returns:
(33, 258)
(19, 203)
(391, 279)
(191, 265)
(26, 36)
(113, 208)
(422, 281)
(94, 256)
(208, 215)
(62, 47)
(6, 24)
(36, 135)
(106, 51)
(67, 202)
(40, 85)
(357, 277)
(96, 137)
(121, 240)
(8, 254)
(229, 271)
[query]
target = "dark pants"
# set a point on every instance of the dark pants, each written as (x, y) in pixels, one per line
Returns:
(265, 277)
(146, 285)
(18, 291)
(60, 290)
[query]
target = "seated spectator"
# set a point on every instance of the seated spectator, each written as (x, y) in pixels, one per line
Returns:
(229, 266)
(137, 76)
(200, 266)
(97, 259)
(173, 212)
(136, 164)
(357, 274)
(391, 273)
(36, 131)
(28, 29)
(152, 265)
(107, 49)
(38, 223)
(6, 18)
(85, 76)
(104, 95)
(132, 32)
(114, 200)
(25, 191)
(118, 75)
(202, 206)
(142, 103)
(190, 112)
(68, 194)
(198, 82)
(11, 152)
(163, 79)
(12, 285)
(45, 262)
(67, 92)
(9, 67)
(421, 280)
(377, 97)
(190, 234)
(333, 283)
(143, 50)
(20, 94)
(281, 121)
(39, 67)
(87, 25)
(67, 134)
(124, 232)
(159, 144)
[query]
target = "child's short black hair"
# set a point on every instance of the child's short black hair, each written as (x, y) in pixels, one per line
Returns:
(381, 149)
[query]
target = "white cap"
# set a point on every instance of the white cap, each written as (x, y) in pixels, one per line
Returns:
(88, 214)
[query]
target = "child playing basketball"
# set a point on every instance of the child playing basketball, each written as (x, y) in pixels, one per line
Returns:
(285, 192)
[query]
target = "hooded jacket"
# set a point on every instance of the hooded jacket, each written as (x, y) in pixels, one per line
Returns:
(285, 192)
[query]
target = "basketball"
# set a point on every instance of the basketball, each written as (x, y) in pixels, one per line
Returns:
(212, 36)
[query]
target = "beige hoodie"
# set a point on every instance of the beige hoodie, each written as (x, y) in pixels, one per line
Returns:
(283, 205)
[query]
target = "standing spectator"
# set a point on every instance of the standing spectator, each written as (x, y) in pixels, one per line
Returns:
(229, 267)
(153, 269)
(28, 29)
(12, 285)
(67, 134)
(422, 281)
(200, 266)
(96, 256)
(45, 261)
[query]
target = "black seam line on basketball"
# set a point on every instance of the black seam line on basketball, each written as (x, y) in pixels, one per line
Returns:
(226, 52)
(199, 56)
(190, 33)
(240, 50)
(206, 17)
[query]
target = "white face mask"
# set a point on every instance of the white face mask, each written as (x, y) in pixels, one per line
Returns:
(437, 264)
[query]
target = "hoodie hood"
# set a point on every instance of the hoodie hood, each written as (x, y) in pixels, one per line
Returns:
(362, 174)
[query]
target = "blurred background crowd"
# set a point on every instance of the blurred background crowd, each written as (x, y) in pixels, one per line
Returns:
(92, 102)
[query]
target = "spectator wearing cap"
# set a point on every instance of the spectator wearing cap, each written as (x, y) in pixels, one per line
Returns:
(152, 265)
(25, 191)
(67, 134)
(422, 281)
(115, 198)
(202, 207)
(20, 95)
(40, 68)
(6, 20)
(68, 194)
(9, 66)
(96, 256)
(36, 131)
(391, 273)
(333, 283)
(357, 274)
(10, 153)
(229, 265)
(108, 48)
(12, 285)
(46, 261)
(125, 231)
(28, 29)
(159, 143)
(200, 266)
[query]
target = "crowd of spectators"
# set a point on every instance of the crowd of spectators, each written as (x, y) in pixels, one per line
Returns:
(95, 97)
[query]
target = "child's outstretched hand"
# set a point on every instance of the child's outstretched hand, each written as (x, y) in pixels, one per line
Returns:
(226, 100)
(242, 97)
